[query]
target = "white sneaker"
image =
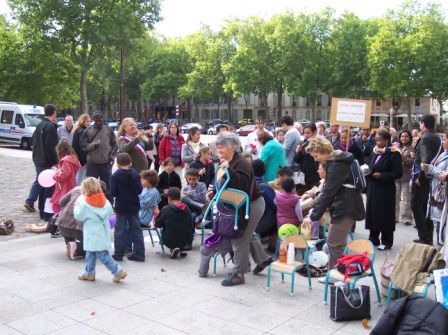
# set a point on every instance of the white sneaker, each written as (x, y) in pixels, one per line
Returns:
(71, 249)
(382, 247)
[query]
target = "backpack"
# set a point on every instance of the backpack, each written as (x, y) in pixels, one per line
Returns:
(353, 265)
(359, 179)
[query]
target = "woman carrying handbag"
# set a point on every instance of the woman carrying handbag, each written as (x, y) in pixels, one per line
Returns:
(438, 185)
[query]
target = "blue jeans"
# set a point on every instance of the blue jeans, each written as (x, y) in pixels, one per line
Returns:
(35, 187)
(81, 175)
(103, 257)
(129, 225)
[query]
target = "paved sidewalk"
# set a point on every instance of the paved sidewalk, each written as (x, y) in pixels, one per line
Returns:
(40, 292)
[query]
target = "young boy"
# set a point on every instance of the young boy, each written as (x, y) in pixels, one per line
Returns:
(126, 188)
(282, 173)
(175, 221)
(194, 193)
(168, 178)
(149, 198)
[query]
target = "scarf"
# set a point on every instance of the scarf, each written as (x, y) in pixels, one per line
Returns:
(385, 150)
(175, 150)
(380, 151)
(195, 146)
(343, 146)
(140, 148)
(96, 200)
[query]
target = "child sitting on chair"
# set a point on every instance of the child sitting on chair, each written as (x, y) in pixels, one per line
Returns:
(149, 198)
(288, 204)
(168, 178)
(194, 195)
(175, 221)
(282, 173)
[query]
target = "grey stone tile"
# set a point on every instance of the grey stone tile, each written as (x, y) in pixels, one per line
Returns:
(5, 330)
(261, 319)
(122, 298)
(117, 322)
(296, 326)
(154, 288)
(14, 308)
(42, 323)
(56, 299)
(85, 310)
(192, 322)
(77, 329)
(186, 297)
(221, 308)
(154, 328)
(154, 309)
(319, 316)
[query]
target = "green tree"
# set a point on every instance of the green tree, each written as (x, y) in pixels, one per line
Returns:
(30, 74)
(316, 69)
(348, 51)
(165, 71)
(87, 28)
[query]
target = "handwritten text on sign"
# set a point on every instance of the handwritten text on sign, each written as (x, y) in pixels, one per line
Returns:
(351, 111)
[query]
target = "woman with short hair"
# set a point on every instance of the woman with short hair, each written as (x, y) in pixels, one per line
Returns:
(338, 195)
(242, 178)
(133, 142)
(385, 168)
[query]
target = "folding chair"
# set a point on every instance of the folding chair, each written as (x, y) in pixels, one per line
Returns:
(421, 290)
(290, 269)
(149, 230)
(355, 247)
(231, 196)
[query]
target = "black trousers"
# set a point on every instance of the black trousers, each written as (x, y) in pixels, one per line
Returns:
(101, 171)
(419, 203)
(74, 235)
(387, 238)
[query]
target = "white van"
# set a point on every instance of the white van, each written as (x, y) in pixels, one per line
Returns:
(18, 122)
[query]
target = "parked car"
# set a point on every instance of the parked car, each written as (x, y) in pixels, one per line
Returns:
(304, 122)
(113, 124)
(245, 130)
(18, 123)
(186, 127)
(245, 122)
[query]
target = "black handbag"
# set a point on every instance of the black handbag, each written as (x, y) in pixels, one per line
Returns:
(349, 304)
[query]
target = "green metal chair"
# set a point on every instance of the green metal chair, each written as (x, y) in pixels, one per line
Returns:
(231, 196)
(290, 269)
(157, 230)
(421, 290)
(358, 246)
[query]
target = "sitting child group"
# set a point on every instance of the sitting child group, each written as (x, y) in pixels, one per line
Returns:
(152, 201)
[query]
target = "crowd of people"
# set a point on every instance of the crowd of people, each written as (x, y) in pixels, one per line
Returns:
(152, 179)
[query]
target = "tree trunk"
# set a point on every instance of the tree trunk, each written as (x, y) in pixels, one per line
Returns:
(83, 88)
(229, 107)
(279, 103)
(313, 111)
(408, 101)
(264, 105)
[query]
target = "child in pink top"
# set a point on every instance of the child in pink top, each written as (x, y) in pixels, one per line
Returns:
(288, 204)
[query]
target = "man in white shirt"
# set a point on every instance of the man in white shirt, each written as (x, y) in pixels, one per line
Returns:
(292, 139)
(253, 145)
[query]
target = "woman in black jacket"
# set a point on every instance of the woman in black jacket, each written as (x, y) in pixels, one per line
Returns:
(385, 167)
(306, 162)
(242, 178)
(338, 195)
(81, 125)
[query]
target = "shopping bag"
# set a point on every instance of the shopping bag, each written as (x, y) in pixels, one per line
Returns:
(349, 304)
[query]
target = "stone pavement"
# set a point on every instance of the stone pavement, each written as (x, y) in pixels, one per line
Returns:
(40, 292)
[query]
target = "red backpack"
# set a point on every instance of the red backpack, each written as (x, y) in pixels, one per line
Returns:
(353, 265)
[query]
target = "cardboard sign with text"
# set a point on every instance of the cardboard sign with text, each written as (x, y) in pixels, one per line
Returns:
(350, 112)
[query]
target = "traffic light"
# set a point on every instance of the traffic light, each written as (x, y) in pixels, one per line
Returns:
(177, 110)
